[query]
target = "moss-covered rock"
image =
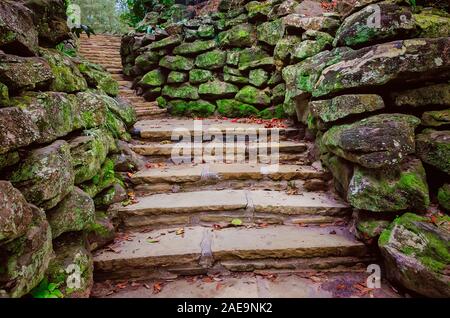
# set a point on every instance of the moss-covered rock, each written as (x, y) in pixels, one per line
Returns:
(436, 118)
(390, 190)
(444, 196)
(375, 142)
(45, 176)
(270, 32)
(175, 77)
(234, 108)
(153, 78)
(206, 31)
(273, 112)
(345, 105)
(394, 22)
(231, 70)
(308, 48)
(9, 159)
(67, 76)
(115, 194)
(241, 35)
(4, 95)
(91, 111)
(97, 77)
(116, 127)
(235, 79)
(162, 102)
(147, 61)
(176, 63)
(211, 60)
(266, 63)
(432, 95)
(368, 226)
(433, 147)
(253, 96)
(259, 10)
(105, 178)
(195, 47)
(278, 93)
(168, 42)
(217, 89)
(341, 170)
(122, 109)
(72, 256)
(322, 23)
(197, 76)
(101, 232)
(258, 77)
(285, 46)
(200, 108)
(184, 91)
(15, 213)
(432, 23)
(416, 253)
(25, 260)
(74, 213)
(233, 57)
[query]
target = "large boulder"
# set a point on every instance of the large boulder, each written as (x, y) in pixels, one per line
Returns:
(405, 61)
(25, 260)
(45, 176)
(433, 147)
(381, 22)
(72, 257)
(15, 213)
(74, 213)
(25, 73)
(17, 129)
(18, 35)
(374, 142)
(416, 253)
(390, 190)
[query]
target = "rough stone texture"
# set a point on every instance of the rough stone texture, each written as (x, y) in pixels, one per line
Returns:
(115, 194)
(184, 91)
(211, 60)
(74, 213)
(176, 63)
(122, 108)
(17, 129)
(444, 196)
(91, 111)
(408, 61)
(374, 142)
(101, 231)
(103, 180)
(17, 30)
(97, 77)
(170, 41)
(416, 253)
(217, 89)
(432, 23)
(71, 248)
(175, 77)
(153, 78)
(15, 213)
(25, 260)
(390, 190)
(242, 35)
(436, 118)
(395, 22)
(320, 23)
(253, 96)
(234, 108)
(270, 32)
(45, 176)
(195, 47)
(438, 95)
(258, 77)
(197, 76)
(345, 105)
(285, 46)
(433, 147)
(24, 73)
(341, 170)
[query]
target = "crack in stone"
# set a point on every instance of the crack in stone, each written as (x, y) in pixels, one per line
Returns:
(206, 257)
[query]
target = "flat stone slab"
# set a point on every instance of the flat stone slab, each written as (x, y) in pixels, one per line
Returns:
(233, 171)
(163, 129)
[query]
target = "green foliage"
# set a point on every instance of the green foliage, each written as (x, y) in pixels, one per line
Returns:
(68, 52)
(47, 290)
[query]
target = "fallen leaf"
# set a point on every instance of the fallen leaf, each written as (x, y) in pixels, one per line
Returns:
(153, 241)
(236, 222)
(157, 287)
(219, 286)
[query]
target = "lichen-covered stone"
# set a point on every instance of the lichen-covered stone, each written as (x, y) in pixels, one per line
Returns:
(175, 77)
(235, 79)
(270, 32)
(317, 23)
(233, 108)
(71, 248)
(197, 76)
(15, 213)
(259, 10)
(116, 127)
(101, 232)
(74, 213)
(200, 108)
(153, 78)
(308, 48)
(211, 60)
(266, 63)
(170, 41)
(374, 142)
(45, 176)
(278, 93)
(433, 147)
(251, 95)
(122, 109)
(25, 260)
(25, 73)
(115, 194)
(368, 226)
(195, 47)
(444, 196)
(360, 28)
(436, 118)
(97, 77)
(91, 110)
(104, 179)
(367, 67)
(217, 89)
(241, 35)
(380, 190)
(176, 63)
(273, 112)
(17, 129)
(9, 159)
(67, 76)
(249, 55)
(416, 253)
(345, 105)
(184, 91)
(233, 57)
(4, 95)
(432, 24)
(258, 77)
(206, 31)
(285, 46)
(147, 61)
(432, 95)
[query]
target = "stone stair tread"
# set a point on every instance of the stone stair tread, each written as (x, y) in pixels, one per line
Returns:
(152, 249)
(223, 171)
(228, 200)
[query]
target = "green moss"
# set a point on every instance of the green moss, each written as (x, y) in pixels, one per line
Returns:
(233, 108)
(254, 96)
(211, 60)
(153, 78)
(162, 102)
(195, 47)
(432, 25)
(197, 76)
(184, 91)
(176, 77)
(444, 196)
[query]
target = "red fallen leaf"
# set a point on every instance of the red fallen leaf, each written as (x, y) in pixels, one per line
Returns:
(340, 286)
(157, 287)
(219, 286)
(207, 279)
(122, 285)
(433, 219)
(263, 225)
(129, 174)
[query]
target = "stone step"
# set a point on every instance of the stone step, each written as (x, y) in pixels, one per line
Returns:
(211, 207)
(150, 112)
(165, 149)
(197, 249)
(157, 130)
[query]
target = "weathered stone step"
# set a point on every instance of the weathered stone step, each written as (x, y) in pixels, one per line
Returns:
(157, 130)
(149, 112)
(165, 149)
(256, 206)
(198, 249)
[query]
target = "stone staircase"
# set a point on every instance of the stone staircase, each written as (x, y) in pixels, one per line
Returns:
(186, 219)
